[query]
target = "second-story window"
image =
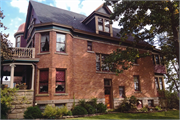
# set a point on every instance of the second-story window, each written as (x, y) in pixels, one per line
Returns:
(18, 41)
(60, 42)
(136, 83)
(100, 66)
(159, 83)
(89, 45)
(157, 59)
(45, 42)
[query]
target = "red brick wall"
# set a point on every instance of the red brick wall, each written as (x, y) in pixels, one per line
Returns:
(81, 77)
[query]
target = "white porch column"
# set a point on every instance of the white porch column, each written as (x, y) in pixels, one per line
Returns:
(32, 83)
(12, 75)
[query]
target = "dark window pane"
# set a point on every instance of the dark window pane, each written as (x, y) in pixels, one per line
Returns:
(157, 59)
(153, 59)
(60, 87)
(43, 88)
(89, 45)
(107, 82)
(44, 42)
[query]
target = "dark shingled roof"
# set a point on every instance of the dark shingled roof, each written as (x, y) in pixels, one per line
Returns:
(46, 13)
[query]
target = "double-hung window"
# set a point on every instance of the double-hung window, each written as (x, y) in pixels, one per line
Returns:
(43, 81)
(18, 41)
(60, 42)
(89, 45)
(103, 25)
(45, 42)
(136, 83)
(121, 92)
(60, 81)
(159, 83)
(100, 66)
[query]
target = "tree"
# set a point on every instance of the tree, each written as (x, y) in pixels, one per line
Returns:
(147, 20)
(6, 45)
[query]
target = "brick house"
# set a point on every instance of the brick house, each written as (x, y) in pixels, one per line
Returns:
(59, 55)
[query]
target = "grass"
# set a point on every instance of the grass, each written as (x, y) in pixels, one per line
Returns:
(172, 114)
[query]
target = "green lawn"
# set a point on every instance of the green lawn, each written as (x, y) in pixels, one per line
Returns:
(173, 114)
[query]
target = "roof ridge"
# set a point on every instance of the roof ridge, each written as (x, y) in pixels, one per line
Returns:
(55, 7)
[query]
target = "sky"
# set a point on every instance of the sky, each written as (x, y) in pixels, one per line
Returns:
(15, 11)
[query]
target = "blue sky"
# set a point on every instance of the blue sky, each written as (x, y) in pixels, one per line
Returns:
(15, 11)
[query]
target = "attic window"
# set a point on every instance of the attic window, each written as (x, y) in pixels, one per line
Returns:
(103, 25)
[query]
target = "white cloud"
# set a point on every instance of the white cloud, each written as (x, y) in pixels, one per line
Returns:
(22, 5)
(40, 0)
(87, 6)
(51, 4)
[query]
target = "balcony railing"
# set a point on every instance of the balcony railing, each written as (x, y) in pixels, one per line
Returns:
(21, 52)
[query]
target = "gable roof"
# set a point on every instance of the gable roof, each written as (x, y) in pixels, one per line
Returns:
(50, 14)
(46, 14)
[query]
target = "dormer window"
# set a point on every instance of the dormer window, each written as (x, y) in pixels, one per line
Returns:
(103, 25)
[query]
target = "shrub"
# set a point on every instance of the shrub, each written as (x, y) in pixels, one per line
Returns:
(32, 113)
(93, 102)
(125, 106)
(90, 109)
(82, 103)
(79, 110)
(101, 108)
(69, 113)
(52, 112)
(133, 100)
(158, 108)
(144, 109)
(63, 110)
(4, 111)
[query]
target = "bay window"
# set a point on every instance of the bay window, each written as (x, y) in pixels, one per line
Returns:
(45, 42)
(60, 42)
(60, 81)
(43, 81)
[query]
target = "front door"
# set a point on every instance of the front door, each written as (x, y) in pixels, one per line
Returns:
(108, 97)
(107, 92)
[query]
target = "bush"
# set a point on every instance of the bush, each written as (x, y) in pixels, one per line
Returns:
(144, 109)
(79, 110)
(32, 113)
(82, 103)
(90, 109)
(158, 108)
(63, 110)
(133, 100)
(52, 112)
(125, 106)
(4, 111)
(101, 108)
(69, 113)
(93, 102)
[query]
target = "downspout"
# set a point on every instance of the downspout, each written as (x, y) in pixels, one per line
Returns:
(34, 83)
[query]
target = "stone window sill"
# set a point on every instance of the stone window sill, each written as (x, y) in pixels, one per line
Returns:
(59, 53)
(90, 51)
(42, 95)
(105, 72)
(137, 92)
(43, 53)
(60, 94)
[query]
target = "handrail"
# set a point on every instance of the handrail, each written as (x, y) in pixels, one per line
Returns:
(22, 52)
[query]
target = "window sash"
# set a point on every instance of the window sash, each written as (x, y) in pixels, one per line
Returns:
(160, 83)
(136, 83)
(157, 59)
(44, 42)
(121, 92)
(60, 81)
(89, 45)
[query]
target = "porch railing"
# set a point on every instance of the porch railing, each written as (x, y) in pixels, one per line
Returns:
(23, 52)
